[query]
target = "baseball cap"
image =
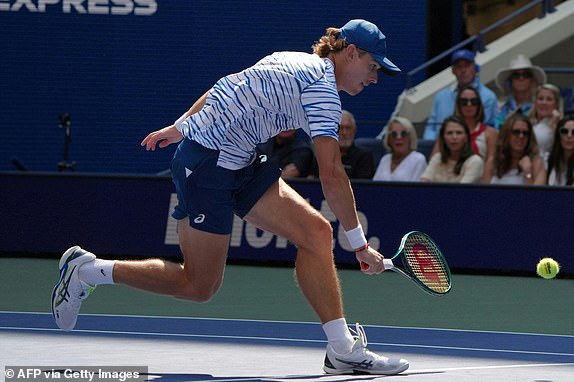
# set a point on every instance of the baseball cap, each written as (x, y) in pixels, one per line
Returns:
(367, 36)
(462, 54)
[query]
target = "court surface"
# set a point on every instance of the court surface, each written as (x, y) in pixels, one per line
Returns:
(259, 328)
(191, 349)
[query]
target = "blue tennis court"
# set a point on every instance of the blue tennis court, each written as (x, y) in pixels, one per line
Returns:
(202, 349)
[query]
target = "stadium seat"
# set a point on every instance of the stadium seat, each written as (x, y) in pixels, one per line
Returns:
(374, 145)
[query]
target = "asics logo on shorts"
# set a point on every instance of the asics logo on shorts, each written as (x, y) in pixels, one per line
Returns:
(199, 219)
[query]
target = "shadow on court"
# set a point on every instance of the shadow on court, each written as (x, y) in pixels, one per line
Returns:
(174, 377)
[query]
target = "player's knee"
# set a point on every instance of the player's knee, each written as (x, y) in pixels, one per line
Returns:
(200, 293)
(203, 296)
(318, 234)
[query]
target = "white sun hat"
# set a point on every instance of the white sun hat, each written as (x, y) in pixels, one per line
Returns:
(517, 63)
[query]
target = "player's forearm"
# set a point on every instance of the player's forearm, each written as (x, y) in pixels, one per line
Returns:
(339, 195)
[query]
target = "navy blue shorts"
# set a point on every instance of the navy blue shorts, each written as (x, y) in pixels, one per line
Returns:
(210, 195)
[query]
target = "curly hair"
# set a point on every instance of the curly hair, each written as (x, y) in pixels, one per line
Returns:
(329, 43)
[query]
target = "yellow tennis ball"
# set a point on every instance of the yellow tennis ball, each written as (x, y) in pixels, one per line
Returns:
(547, 268)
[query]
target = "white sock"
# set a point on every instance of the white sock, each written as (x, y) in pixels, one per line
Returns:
(339, 336)
(97, 272)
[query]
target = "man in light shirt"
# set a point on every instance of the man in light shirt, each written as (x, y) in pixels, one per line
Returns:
(465, 70)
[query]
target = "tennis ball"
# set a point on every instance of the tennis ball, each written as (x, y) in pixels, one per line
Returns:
(547, 268)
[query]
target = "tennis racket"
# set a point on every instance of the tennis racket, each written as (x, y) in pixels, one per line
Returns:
(422, 263)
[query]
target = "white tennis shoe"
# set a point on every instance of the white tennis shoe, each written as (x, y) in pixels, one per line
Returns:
(70, 291)
(361, 360)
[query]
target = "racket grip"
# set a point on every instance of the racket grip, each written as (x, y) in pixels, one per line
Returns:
(387, 262)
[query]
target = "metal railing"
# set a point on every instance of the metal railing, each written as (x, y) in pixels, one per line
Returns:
(477, 40)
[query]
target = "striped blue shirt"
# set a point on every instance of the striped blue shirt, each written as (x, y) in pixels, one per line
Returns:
(283, 91)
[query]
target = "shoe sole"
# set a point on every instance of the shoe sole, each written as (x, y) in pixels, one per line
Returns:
(331, 371)
(63, 266)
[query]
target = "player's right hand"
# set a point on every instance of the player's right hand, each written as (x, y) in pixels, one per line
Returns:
(163, 137)
(371, 261)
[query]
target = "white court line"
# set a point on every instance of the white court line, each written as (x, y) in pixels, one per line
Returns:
(487, 367)
(477, 349)
(300, 322)
(327, 377)
(273, 339)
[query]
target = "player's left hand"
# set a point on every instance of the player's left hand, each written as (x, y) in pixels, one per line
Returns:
(373, 259)
(163, 138)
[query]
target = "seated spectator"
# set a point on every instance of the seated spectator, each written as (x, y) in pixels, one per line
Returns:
(518, 82)
(358, 163)
(547, 111)
(470, 109)
(456, 162)
(292, 151)
(465, 70)
(517, 159)
(402, 162)
(561, 160)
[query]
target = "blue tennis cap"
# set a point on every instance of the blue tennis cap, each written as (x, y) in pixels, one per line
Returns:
(367, 36)
(462, 54)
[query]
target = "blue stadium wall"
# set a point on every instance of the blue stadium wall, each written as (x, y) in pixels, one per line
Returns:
(124, 68)
(485, 229)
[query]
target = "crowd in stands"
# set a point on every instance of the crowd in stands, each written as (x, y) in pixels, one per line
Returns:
(521, 137)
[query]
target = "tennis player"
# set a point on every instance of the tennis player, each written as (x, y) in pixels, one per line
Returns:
(217, 174)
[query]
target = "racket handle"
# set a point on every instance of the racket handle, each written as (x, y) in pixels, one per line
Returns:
(387, 262)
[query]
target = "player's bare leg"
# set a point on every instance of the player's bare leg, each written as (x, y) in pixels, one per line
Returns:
(198, 279)
(296, 220)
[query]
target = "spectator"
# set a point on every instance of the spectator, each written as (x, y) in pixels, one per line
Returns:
(465, 70)
(402, 162)
(545, 114)
(561, 160)
(470, 109)
(358, 163)
(292, 151)
(517, 159)
(518, 82)
(456, 162)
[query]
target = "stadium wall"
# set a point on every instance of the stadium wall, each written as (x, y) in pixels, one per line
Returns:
(121, 69)
(487, 229)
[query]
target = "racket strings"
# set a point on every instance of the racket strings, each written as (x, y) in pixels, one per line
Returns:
(425, 260)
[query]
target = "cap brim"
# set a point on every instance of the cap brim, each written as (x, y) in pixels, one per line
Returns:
(387, 66)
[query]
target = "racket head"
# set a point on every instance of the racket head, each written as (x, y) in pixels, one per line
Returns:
(424, 263)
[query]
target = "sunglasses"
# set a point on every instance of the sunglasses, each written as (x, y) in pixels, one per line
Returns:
(399, 134)
(520, 133)
(524, 74)
(566, 132)
(468, 101)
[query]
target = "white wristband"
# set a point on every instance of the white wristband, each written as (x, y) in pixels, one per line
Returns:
(179, 121)
(356, 237)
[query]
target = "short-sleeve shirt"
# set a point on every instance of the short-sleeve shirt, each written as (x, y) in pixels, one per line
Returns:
(283, 91)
